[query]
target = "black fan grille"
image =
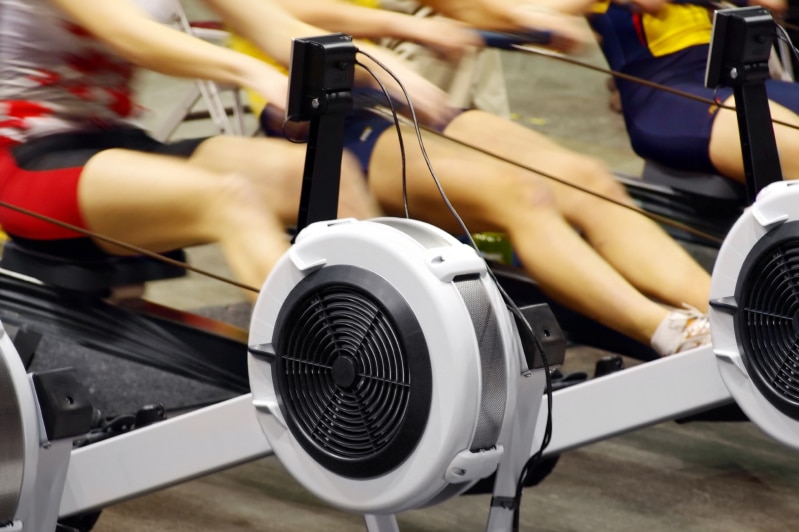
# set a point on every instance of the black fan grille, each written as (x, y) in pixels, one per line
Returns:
(352, 372)
(345, 373)
(767, 319)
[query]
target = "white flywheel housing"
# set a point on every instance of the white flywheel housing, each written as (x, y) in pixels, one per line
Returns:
(383, 364)
(754, 315)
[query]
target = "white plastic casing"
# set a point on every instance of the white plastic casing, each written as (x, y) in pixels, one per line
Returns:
(391, 248)
(776, 204)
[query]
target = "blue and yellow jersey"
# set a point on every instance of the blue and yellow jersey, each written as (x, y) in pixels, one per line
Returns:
(628, 37)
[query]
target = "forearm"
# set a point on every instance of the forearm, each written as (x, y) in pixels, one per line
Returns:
(473, 11)
(151, 45)
(361, 22)
(563, 18)
(442, 35)
(264, 22)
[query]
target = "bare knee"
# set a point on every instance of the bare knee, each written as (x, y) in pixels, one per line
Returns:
(527, 192)
(588, 174)
(249, 233)
(236, 204)
(355, 198)
(593, 175)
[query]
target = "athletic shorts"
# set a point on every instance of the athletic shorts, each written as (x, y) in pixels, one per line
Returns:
(671, 129)
(42, 176)
(362, 128)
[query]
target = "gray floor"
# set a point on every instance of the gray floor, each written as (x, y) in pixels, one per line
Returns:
(670, 477)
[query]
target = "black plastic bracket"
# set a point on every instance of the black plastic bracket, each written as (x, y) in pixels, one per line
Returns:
(64, 403)
(550, 336)
(321, 76)
(739, 51)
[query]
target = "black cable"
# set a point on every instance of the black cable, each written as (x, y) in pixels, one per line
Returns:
(659, 218)
(399, 132)
(418, 131)
(534, 459)
(636, 79)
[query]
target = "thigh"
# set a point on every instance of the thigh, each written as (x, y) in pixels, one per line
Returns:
(725, 143)
(488, 193)
(155, 201)
(540, 162)
(275, 166)
(42, 176)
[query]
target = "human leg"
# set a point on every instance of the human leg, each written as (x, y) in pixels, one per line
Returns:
(159, 203)
(279, 178)
(492, 195)
(725, 142)
(632, 244)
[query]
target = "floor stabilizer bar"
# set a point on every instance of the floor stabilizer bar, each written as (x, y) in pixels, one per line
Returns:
(637, 397)
(170, 452)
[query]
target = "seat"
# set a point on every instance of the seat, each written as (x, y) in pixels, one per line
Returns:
(712, 187)
(708, 203)
(96, 277)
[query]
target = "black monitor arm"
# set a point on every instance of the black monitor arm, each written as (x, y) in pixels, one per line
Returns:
(321, 76)
(739, 51)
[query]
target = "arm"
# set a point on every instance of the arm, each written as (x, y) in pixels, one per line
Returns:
(149, 44)
(775, 6)
(557, 16)
(498, 10)
(246, 18)
(266, 23)
(443, 35)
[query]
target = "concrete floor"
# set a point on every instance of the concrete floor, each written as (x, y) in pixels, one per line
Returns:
(698, 477)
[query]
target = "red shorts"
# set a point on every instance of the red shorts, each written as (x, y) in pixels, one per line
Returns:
(42, 176)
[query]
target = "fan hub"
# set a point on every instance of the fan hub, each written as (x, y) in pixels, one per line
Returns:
(344, 372)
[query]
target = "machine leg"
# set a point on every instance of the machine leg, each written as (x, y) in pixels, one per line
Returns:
(381, 523)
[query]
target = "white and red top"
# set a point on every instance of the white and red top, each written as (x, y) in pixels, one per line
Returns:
(56, 77)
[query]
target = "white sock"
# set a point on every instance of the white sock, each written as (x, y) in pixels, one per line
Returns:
(679, 331)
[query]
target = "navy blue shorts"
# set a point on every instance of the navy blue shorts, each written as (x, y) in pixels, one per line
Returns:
(362, 128)
(671, 129)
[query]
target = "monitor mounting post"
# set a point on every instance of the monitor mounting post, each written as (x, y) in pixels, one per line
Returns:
(321, 76)
(740, 46)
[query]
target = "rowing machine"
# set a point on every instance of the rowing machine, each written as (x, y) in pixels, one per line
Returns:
(409, 345)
